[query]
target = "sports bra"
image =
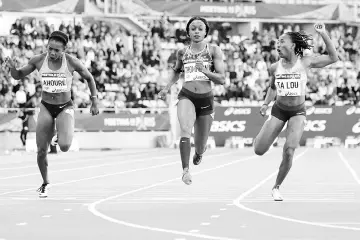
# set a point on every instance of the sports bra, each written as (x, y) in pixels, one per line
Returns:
(189, 60)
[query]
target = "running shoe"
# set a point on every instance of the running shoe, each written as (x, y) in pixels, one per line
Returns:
(186, 178)
(276, 194)
(43, 190)
(197, 158)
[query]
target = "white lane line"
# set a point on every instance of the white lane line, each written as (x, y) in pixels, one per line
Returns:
(88, 167)
(261, 183)
(66, 161)
(205, 224)
(92, 207)
(21, 224)
(348, 166)
(111, 174)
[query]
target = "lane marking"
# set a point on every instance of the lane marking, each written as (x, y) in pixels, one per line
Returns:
(288, 219)
(75, 159)
(93, 210)
(110, 174)
(348, 166)
(21, 224)
(87, 167)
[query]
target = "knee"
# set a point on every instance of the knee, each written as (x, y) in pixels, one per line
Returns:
(288, 152)
(259, 151)
(186, 131)
(64, 147)
(42, 152)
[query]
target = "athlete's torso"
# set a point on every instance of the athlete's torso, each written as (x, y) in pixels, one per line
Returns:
(196, 81)
(56, 80)
(291, 83)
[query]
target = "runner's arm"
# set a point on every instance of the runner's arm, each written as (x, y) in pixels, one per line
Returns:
(271, 92)
(218, 76)
(84, 73)
(324, 60)
(20, 73)
(175, 72)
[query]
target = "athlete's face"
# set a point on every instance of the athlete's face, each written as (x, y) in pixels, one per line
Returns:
(197, 31)
(285, 46)
(55, 49)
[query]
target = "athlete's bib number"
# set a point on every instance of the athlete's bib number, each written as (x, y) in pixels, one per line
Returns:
(54, 82)
(288, 87)
(192, 74)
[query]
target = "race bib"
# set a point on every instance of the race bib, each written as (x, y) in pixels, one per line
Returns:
(192, 74)
(54, 82)
(288, 85)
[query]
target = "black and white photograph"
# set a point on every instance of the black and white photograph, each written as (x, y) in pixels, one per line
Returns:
(180, 119)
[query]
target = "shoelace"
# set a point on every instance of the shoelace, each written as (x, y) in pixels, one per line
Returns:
(42, 188)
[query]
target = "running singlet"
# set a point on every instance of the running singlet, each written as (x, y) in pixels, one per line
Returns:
(189, 60)
(290, 82)
(55, 81)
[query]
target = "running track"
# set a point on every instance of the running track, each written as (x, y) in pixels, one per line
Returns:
(138, 195)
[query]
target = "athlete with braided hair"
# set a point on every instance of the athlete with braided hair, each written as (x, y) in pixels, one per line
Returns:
(289, 77)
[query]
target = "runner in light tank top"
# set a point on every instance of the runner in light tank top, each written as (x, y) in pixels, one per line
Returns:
(203, 66)
(288, 83)
(56, 109)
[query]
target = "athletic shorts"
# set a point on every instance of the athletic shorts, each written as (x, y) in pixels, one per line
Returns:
(203, 102)
(284, 113)
(56, 109)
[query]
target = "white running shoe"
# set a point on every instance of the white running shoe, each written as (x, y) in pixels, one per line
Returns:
(44, 190)
(186, 178)
(276, 194)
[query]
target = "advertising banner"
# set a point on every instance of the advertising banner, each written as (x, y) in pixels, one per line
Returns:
(245, 122)
(325, 121)
(336, 11)
(130, 120)
(123, 122)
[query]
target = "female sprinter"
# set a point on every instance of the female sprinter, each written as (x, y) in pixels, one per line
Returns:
(56, 70)
(201, 64)
(289, 77)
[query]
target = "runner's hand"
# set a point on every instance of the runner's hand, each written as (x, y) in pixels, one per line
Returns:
(94, 110)
(162, 94)
(263, 109)
(320, 27)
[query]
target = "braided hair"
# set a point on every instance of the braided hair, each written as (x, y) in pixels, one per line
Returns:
(301, 42)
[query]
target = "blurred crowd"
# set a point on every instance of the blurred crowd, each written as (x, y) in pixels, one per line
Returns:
(130, 68)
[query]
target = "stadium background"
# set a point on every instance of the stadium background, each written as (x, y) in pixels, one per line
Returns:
(129, 46)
